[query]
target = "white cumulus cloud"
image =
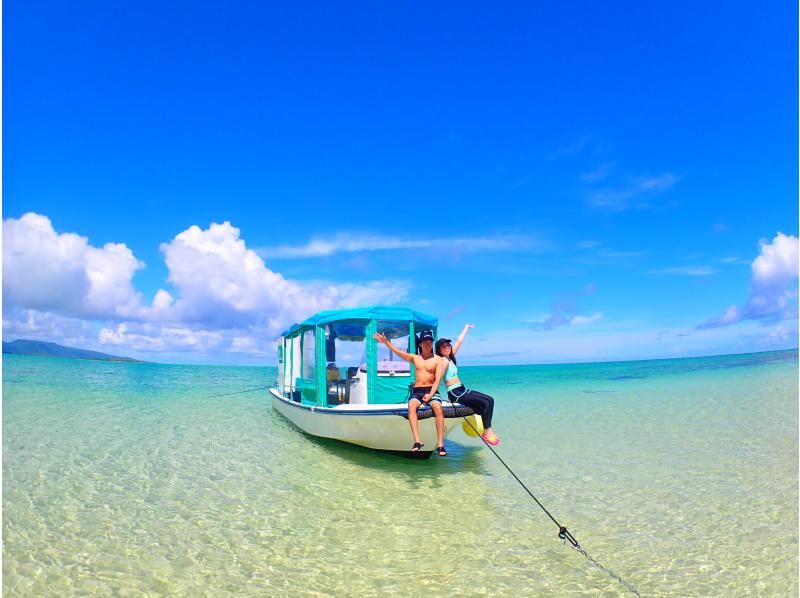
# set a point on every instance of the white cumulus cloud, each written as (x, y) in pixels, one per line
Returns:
(223, 297)
(63, 273)
(29, 323)
(773, 285)
(155, 339)
(223, 284)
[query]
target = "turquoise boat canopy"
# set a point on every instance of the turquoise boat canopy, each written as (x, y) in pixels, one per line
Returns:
(332, 357)
(375, 312)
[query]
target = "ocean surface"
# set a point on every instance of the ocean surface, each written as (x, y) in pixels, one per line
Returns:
(131, 479)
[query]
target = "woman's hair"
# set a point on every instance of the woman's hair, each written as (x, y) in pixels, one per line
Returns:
(440, 343)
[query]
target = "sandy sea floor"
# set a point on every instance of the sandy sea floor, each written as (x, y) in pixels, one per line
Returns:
(127, 479)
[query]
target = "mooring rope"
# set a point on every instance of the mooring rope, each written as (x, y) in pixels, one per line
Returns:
(563, 533)
(238, 392)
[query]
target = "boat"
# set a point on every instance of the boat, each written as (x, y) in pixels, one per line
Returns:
(335, 381)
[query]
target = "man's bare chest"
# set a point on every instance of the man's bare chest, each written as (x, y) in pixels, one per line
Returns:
(427, 365)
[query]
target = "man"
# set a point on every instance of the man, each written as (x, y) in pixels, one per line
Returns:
(428, 372)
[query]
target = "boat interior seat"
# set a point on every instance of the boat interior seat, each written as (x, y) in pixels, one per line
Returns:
(338, 392)
(332, 374)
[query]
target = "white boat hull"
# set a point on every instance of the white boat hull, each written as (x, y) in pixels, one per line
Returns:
(380, 427)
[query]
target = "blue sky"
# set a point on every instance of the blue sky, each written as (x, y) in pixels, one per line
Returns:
(589, 182)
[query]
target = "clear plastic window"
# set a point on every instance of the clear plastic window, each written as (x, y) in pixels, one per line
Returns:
(292, 368)
(345, 354)
(399, 333)
(309, 355)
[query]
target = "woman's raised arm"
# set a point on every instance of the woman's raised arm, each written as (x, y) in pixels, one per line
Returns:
(461, 337)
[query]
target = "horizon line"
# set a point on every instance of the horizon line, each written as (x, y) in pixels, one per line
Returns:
(500, 365)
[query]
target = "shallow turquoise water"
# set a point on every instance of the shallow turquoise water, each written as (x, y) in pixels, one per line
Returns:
(128, 479)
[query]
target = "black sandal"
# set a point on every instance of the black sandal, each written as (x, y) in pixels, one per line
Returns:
(416, 447)
(440, 451)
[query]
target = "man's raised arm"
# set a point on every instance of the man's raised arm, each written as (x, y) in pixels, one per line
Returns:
(381, 338)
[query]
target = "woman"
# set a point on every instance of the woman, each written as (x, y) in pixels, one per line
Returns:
(480, 403)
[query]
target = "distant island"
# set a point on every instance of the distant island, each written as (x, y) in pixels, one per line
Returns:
(43, 349)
